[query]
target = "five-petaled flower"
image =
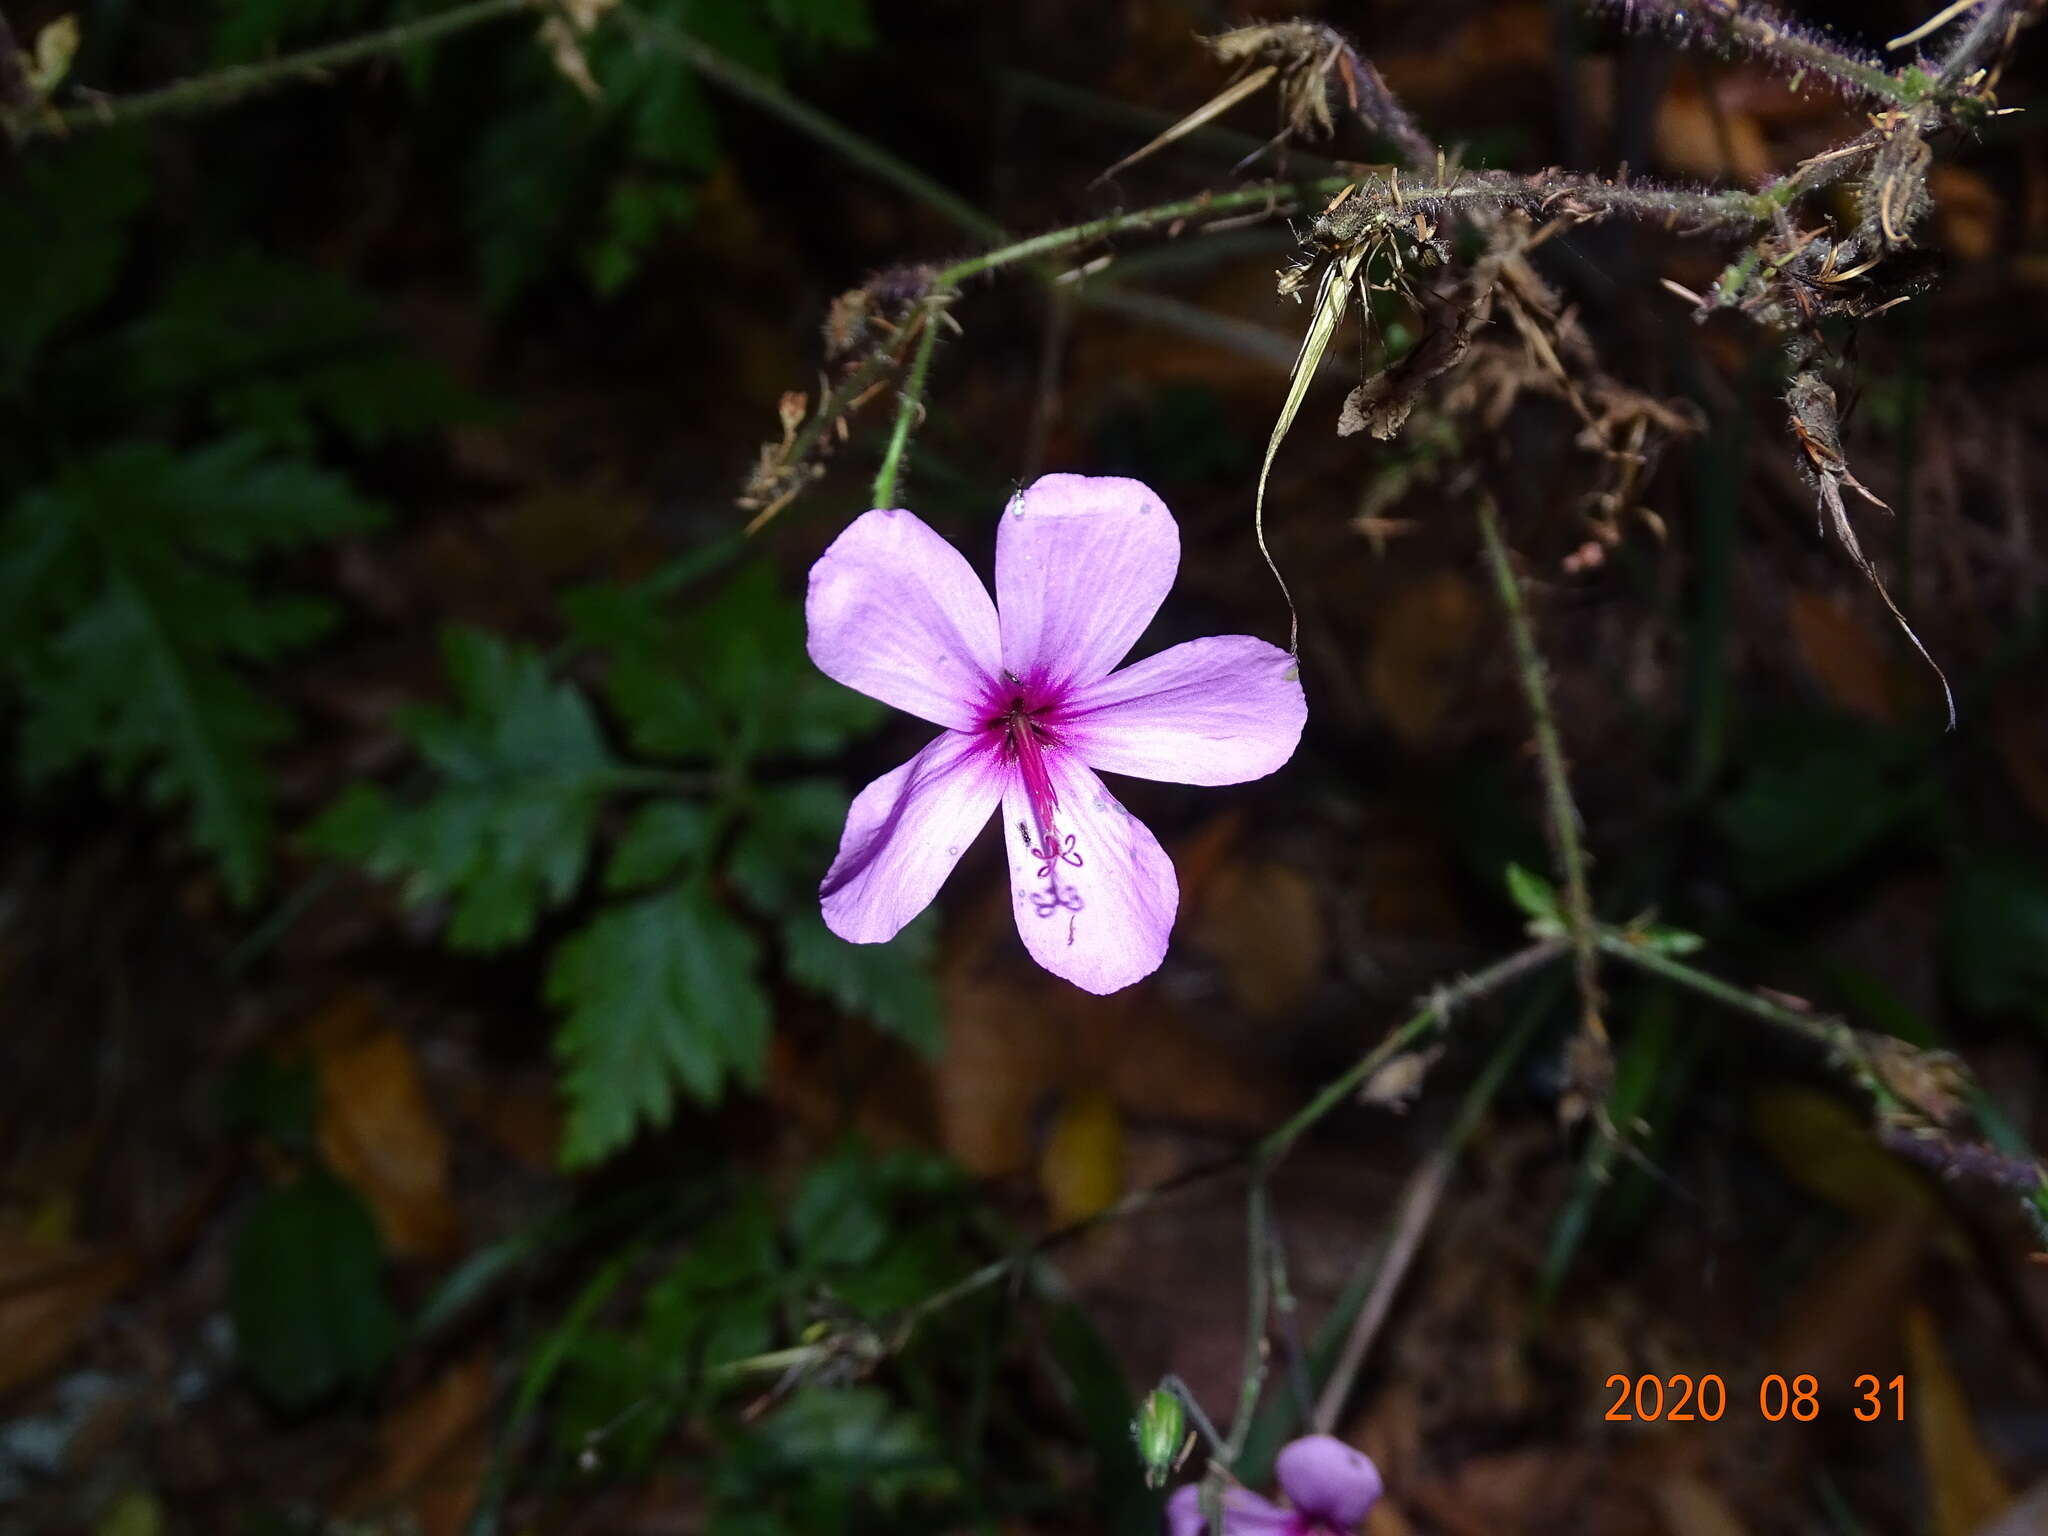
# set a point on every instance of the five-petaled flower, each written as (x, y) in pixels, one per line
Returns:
(1328, 1484)
(1031, 708)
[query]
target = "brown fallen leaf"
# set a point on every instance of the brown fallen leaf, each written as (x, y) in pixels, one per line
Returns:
(379, 1132)
(1705, 136)
(433, 1449)
(1423, 639)
(1967, 211)
(1693, 1507)
(1081, 1170)
(1826, 1149)
(49, 1295)
(1964, 1484)
(2019, 730)
(1261, 921)
(1841, 655)
(1842, 1320)
(1019, 1039)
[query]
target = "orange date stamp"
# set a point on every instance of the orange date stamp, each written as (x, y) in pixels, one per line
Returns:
(1682, 1399)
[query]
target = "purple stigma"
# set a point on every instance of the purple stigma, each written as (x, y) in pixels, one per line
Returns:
(1022, 719)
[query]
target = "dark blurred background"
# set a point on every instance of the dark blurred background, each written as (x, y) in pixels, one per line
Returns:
(429, 1100)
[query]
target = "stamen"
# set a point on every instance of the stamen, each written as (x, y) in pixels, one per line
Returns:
(1021, 720)
(1030, 751)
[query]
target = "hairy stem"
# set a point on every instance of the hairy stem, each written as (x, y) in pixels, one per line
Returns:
(1745, 24)
(1561, 815)
(1434, 1013)
(1979, 42)
(230, 85)
(2020, 1171)
(909, 407)
(1274, 195)
(1831, 1034)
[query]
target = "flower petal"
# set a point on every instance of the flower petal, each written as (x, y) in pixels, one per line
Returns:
(1100, 914)
(904, 834)
(895, 612)
(1328, 1480)
(1082, 564)
(1214, 711)
(1244, 1514)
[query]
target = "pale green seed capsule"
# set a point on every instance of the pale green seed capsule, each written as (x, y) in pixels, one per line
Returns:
(1158, 1429)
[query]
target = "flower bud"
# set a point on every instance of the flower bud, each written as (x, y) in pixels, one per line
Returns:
(1159, 1428)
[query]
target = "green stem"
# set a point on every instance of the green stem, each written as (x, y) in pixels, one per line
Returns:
(230, 85)
(1433, 1015)
(764, 93)
(909, 406)
(1054, 241)
(1478, 190)
(1259, 1293)
(1807, 53)
(773, 1363)
(1561, 815)
(1846, 1048)
(1830, 1034)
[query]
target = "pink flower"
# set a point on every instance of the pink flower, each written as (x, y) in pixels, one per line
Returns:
(1031, 708)
(1329, 1485)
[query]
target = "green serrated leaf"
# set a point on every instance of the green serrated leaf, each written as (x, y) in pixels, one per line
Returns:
(548, 173)
(528, 178)
(522, 772)
(765, 686)
(636, 214)
(1819, 795)
(786, 845)
(728, 676)
(658, 995)
(63, 236)
(1531, 892)
(890, 985)
(279, 350)
(715, 1304)
(837, 1445)
(306, 1293)
(837, 23)
(133, 621)
(251, 28)
(664, 837)
(663, 713)
(839, 1217)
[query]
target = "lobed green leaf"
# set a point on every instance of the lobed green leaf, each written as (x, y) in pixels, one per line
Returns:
(658, 996)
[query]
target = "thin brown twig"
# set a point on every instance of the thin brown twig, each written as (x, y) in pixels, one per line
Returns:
(1418, 1206)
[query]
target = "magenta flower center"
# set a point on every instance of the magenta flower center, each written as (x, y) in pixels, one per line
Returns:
(1022, 719)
